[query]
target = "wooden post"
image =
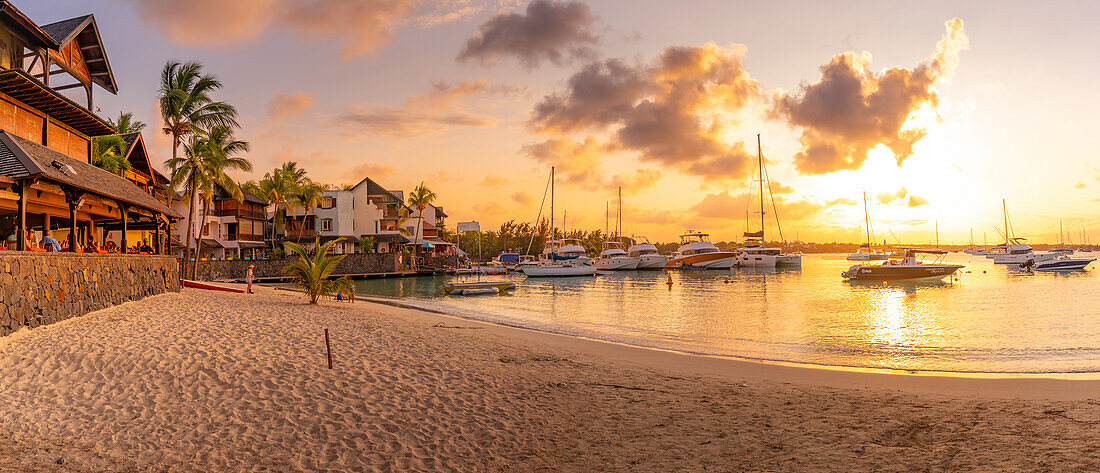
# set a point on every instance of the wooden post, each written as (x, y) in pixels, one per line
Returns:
(328, 347)
(21, 236)
(156, 224)
(123, 211)
(73, 199)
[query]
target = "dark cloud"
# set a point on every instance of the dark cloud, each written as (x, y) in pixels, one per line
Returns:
(673, 112)
(852, 109)
(546, 31)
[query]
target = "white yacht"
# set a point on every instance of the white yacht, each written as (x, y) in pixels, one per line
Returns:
(646, 252)
(754, 253)
(696, 251)
(614, 257)
(565, 257)
(1016, 251)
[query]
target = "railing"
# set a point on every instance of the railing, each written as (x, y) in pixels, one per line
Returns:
(240, 213)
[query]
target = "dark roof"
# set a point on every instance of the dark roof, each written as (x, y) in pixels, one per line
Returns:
(374, 188)
(390, 238)
(19, 85)
(85, 30)
(221, 194)
(29, 159)
(20, 23)
(132, 141)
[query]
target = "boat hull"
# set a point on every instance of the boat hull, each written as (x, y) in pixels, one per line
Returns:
(558, 271)
(652, 261)
(715, 260)
(498, 285)
(768, 261)
(617, 264)
(867, 257)
(900, 272)
(1023, 258)
(1064, 264)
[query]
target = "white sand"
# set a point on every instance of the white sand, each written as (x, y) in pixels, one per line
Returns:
(210, 381)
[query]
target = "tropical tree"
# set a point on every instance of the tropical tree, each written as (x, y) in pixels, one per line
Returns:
(186, 105)
(311, 273)
(366, 244)
(278, 188)
(420, 198)
(107, 153)
(125, 123)
(309, 194)
(347, 186)
(219, 150)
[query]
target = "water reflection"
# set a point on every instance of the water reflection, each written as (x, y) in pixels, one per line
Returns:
(992, 318)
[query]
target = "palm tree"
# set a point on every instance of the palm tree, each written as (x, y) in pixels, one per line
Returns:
(278, 188)
(366, 244)
(107, 153)
(347, 186)
(125, 123)
(185, 103)
(308, 195)
(311, 273)
(219, 149)
(420, 198)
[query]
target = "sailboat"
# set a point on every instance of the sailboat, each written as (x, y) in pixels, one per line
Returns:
(613, 256)
(864, 252)
(754, 253)
(561, 257)
(973, 250)
(1016, 250)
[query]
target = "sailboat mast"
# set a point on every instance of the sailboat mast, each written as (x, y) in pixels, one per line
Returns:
(866, 221)
(1061, 236)
(606, 225)
(551, 202)
(937, 233)
(1007, 238)
(760, 165)
(619, 218)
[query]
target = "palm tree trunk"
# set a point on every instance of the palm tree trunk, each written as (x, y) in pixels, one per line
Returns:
(190, 229)
(198, 243)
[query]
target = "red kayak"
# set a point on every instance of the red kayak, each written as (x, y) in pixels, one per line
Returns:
(210, 287)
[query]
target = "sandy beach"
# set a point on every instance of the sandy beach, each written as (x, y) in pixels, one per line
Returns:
(211, 381)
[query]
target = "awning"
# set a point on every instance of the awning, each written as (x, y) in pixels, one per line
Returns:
(390, 238)
(253, 244)
(210, 242)
(438, 242)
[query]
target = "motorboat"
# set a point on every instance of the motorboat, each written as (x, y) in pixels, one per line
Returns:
(1019, 252)
(506, 260)
(754, 253)
(614, 257)
(525, 261)
(567, 249)
(1063, 262)
(696, 251)
(909, 268)
(646, 252)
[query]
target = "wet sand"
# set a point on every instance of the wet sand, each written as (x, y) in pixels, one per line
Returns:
(213, 381)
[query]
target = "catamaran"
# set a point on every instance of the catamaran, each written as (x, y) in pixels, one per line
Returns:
(864, 252)
(564, 257)
(908, 269)
(696, 251)
(754, 253)
(646, 252)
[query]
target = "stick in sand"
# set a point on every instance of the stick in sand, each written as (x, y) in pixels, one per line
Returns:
(328, 348)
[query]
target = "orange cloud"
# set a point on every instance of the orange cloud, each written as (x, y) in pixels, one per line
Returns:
(285, 105)
(632, 183)
(371, 170)
(576, 162)
(917, 201)
(724, 206)
(547, 30)
(852, 109)
(433, 111)
(493, 181)
(674, 112)
(887, 197)
(522, 198)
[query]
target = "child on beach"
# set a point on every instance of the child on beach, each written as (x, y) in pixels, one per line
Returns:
(248, 278)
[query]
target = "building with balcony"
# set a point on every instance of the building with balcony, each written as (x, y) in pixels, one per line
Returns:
(47, 181)
(367, 209)
(231, 228)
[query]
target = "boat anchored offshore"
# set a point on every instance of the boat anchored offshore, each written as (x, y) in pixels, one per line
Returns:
(646, 252)
(614, 257)
(696, 251)
(481, 287)
(908, 269)
(560, 257)
(754, 253)
(1061, 263)
(864, 252)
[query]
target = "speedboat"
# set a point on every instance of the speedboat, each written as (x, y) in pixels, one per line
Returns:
(696, 251)
(648, 257)
(1018, 252)
(614, 257)
(506, 260)
(1061, 263)
(908, 268)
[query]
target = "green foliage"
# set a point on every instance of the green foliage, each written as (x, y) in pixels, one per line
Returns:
(311, 273)
(420, 198)
(107, 154)
(278, 188)
(367, 244)
(125, 123)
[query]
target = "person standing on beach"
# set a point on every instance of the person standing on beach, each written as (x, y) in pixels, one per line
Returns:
(248, 278)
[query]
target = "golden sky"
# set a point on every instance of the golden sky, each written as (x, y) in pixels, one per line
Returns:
(936, 112)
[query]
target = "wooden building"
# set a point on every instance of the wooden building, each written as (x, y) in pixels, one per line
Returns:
(47, 181)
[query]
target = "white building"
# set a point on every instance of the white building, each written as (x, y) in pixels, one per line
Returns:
(368, 209)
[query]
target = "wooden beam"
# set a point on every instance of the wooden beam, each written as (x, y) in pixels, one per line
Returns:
(125, 217)
(21, 238)
(68, 86)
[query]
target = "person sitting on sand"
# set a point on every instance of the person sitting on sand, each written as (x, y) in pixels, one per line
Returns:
(50, 244)
(248, 277)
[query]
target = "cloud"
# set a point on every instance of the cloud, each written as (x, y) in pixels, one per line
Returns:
(917, 201)
(547, 31)
(724, 206)
(371, 170)
(284, 105)
(673, 112)
(1080, 185)
(577, 162)
(640, 180)
(490, 208)
(363, 26)
(778, 188)
(433, 111)
(493, 181)
(522, 198)
(840, 201)
(851, 109)
(887, 197)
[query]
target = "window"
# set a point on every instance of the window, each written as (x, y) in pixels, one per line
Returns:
(326, 225)
(329, 203)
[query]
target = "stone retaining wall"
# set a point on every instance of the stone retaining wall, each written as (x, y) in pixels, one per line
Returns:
(354, 264)
(43, 288)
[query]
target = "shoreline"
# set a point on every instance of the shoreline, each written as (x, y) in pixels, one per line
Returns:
(1035, 386)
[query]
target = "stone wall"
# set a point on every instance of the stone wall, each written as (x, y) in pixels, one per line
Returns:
(43, 288)
(353, 264)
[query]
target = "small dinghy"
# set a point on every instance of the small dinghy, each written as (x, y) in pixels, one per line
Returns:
(474, 292)
(495, 286)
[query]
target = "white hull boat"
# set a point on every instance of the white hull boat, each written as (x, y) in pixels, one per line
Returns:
(558, 270)
(648, 257)
(1064, 263)
(767, 258)
(653, 261)
(617, 264)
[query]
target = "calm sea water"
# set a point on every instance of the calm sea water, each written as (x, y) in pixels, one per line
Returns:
(991, 319)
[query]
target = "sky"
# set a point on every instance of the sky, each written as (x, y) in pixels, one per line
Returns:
(936, 111)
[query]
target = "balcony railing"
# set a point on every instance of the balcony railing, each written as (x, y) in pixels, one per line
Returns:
(240, 213)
